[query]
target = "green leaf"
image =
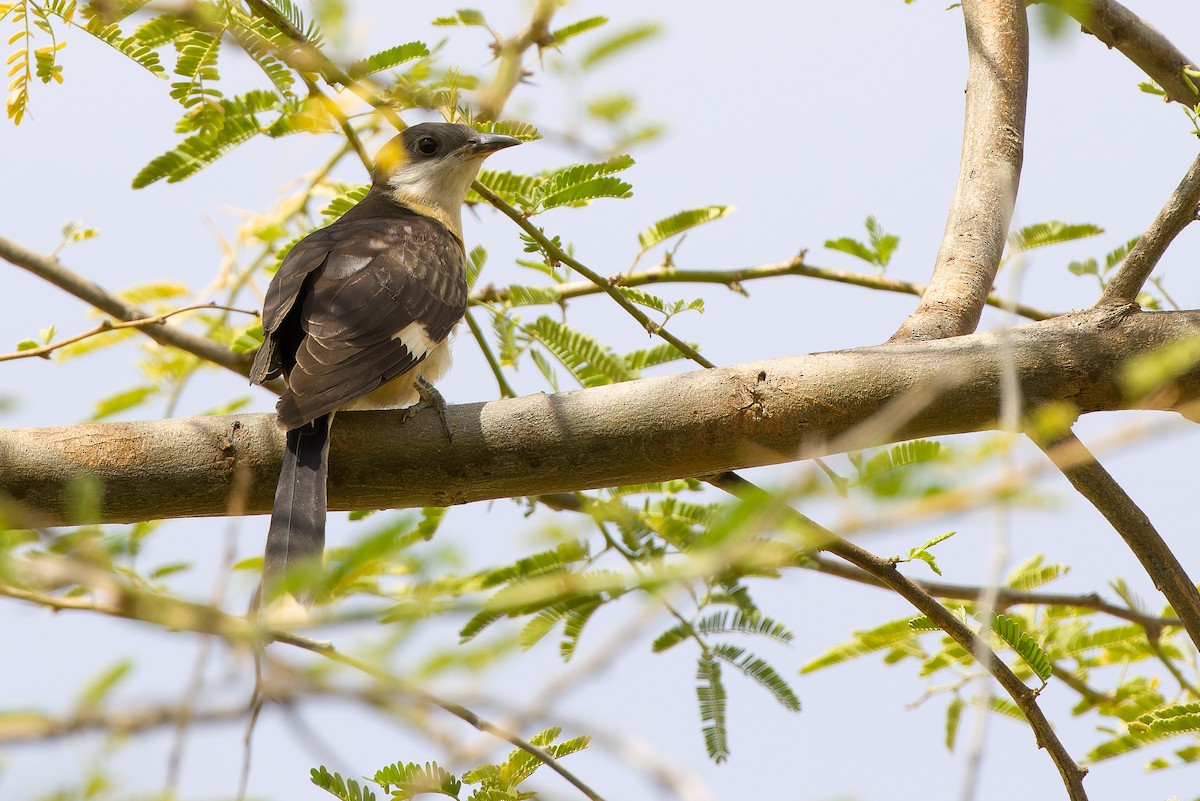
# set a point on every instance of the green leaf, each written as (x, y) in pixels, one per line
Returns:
(677, 223)
(590, 361)
(431, 519)
(521, 130)
(407, 779)
(710, 692)
(1050, 233)
(197, 152)
(345, 789)
(388, 59)
(864, 642)
(1032, 574)
(345, 201)
(953, 718)
(853, 247)
(121, 401)
(578, 183)
(582, 193)
(759, 670)
(1011, 632)
(567, 32)
(99, 688)
(248, 339)
(464, 16)
(1118, 254)
(638, 360)
(618, 42)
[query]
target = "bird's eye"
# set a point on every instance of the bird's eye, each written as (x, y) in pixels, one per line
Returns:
(427, 145)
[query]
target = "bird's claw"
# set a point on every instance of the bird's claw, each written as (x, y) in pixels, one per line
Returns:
(432, 398)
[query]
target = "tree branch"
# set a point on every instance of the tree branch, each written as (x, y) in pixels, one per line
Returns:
(1006, 596)
(1095, 483)
(654, 429)
(51, 269)
(885, 572)
(733, 279)
(558, 254)
(509, 52)
(1118, 27)
(1180, 210)
(990, 170)
(104, 327)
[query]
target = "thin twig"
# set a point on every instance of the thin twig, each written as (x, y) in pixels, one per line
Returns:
(1180, 210)
(343, 122)
(1095, 484)
(989, 173)
(106, 326)
(113, 598)
(1118, 27)
(509, 53)
(1006, 597)
(733, 280)
(885, 572)
(52, 270)
(506, 390)
(558, 254)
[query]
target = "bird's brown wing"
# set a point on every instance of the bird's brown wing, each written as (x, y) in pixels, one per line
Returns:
(334, 310)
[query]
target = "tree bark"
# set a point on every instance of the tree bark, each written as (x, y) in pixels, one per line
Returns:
(691, 424)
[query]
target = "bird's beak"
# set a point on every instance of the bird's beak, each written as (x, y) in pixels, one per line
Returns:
(484, 144)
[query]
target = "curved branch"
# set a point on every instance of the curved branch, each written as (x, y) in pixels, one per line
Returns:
(654, 429)
(1006, 596)
(1181, 210)
(884, 571)
(1095, 483)
(733, 279)
(44, 351)
(1118, 27)
(990, 170)
(51, 269)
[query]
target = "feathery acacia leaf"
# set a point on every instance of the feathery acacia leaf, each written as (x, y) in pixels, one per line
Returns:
(710, 692)
(619, 41)
(759, 670)
(335, 785)
(388, 59)
(1050, 233)
(590, 361)
(567, 32)
(580, 183)
(1026, 646)
(404, 780)
(676, 224)
(196, 152)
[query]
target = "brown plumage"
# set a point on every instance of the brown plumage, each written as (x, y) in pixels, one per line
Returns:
(357, 314)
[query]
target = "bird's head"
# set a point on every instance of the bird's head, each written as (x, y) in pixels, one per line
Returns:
(429, 167)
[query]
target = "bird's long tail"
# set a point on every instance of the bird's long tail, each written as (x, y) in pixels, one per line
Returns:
(296, 538)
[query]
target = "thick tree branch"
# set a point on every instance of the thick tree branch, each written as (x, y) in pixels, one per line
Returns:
(734, 279)
(1180, 210)
(693, 424)
(1118, 27)
(51, 269)
(989, 172)
(1096, 484)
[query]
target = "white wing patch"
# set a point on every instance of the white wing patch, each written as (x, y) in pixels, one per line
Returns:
(415, 337)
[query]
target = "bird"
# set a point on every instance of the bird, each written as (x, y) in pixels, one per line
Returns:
(359, 316)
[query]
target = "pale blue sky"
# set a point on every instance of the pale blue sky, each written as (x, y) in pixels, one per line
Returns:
(807, 117)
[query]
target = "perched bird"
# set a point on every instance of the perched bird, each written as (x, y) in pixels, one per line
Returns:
(359, 316)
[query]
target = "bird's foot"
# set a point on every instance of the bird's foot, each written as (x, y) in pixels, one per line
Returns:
(432, 398)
